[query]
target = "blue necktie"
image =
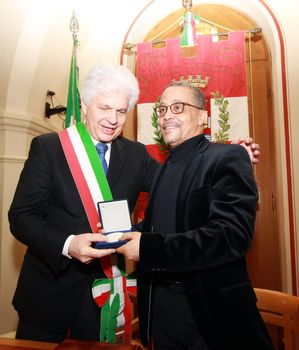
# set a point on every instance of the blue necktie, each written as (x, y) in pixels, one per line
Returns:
(102, 148)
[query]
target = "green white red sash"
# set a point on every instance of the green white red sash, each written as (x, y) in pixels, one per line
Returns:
(111, 293)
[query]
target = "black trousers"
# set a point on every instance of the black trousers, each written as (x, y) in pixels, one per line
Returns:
(85, 327)
(173, 324)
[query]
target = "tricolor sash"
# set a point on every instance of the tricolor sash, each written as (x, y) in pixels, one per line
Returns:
(110, 293)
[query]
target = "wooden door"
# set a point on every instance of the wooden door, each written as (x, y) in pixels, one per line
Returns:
(263, 259)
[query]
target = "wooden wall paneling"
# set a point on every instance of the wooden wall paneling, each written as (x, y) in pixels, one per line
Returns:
(263, 259)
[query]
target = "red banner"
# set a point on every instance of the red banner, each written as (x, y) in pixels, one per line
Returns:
(217, 68)
(220, 65)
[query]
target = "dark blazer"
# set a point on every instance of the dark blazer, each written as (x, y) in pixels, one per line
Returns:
(215, 215)
(45, 210)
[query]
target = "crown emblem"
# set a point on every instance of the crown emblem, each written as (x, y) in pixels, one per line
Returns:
(198, 81)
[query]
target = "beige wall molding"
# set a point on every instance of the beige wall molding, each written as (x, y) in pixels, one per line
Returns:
(12, 159)
(22, 123)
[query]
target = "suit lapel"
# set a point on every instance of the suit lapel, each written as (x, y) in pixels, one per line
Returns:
(117, 161)
(191, 171)
(147, 220)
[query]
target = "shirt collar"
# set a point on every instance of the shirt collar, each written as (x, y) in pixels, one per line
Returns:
(97, 141)
(184, 149)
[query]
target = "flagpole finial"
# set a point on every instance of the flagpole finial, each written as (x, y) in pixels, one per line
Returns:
(74, 25)
(187, 4)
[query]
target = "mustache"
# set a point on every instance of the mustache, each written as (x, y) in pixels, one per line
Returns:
(167, 124)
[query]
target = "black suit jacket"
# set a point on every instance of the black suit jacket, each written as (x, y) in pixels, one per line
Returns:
(45, 210)
(215, 215)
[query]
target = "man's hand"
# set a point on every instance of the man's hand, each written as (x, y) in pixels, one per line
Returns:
(80, 247)
(252, 148)
(130, 249)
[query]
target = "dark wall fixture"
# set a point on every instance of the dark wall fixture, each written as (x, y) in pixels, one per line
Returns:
(50, 108)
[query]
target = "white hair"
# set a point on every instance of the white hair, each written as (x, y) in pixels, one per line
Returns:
(106, 78)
